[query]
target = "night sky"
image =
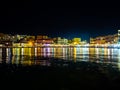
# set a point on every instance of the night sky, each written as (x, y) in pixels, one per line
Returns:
(32, 18)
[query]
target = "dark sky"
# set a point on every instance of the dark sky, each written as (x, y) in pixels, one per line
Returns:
(32, 18)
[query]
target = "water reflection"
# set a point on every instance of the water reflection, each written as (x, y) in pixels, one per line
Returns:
(33, 56)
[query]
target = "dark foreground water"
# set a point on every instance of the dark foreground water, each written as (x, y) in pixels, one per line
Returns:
(60, 75)
(70, 69)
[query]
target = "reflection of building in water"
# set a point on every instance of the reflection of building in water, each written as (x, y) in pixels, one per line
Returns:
(81, 52)
(118, 63)
(70, 53)
(22, 51)
(63, 52)
(105, 51)
(3, 55)
(92, 54)
(85, 54)
(16, 60)
(92, 51)
(58, 52)
(114, 53)
(44, 52)
(0, 55)
(78, 50)
(74, 54)
(97, 53)
(35, 51)
(67, 53)
(39, 51)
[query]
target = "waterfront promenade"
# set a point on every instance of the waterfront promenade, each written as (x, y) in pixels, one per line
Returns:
(65, 46)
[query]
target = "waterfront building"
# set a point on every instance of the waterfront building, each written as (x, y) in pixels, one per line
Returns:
(109, 39)
(60, 40)
(76, 40)
(41, 37)
(44, 41)
(92, 40)
(118, 36)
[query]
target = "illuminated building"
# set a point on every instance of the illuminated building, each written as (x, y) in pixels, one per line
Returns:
(30, 38)
(83, 42)
(100, 40)
(65, 41)
(8, 39)
(119, 36)
(44, 41)
(41, 37)
(92, 41)
(60, 40)
(115, 38)
(76, 40)
(109, 39)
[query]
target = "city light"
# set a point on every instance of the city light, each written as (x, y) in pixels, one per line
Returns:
(30, 43)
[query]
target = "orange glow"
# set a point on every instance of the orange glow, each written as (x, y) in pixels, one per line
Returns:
(30, 43)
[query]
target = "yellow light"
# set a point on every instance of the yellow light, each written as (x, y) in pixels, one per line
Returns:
(75, 43)
(30, 43)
